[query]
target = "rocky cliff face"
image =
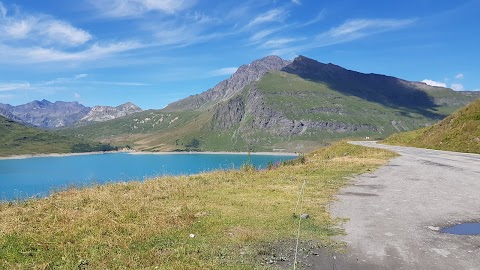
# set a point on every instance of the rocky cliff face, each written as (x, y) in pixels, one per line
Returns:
(226, 89)
(266, 119)
(105, 113)
(46, 114)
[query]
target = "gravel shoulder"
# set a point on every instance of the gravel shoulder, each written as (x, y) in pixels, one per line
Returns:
(395, 213)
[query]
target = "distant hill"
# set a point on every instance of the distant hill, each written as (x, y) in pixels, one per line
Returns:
(105, 113)
(459, 132)
(17, 139)
(277, 104)
(45, 114)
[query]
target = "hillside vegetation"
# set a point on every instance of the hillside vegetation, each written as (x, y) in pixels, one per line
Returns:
(17, 139)
(279, 111)
(459, 132)
(238, 219)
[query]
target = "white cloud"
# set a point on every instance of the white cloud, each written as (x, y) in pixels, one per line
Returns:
(79, 76)
(262, 34)
(58, 32)
(128, 8)
(224, 71)
(14, 86)
(434, 83)
(274, 15)
(297, 2)
(457, 87)
(359, 28)
(41, 30)
(118, 83)
(43, 55)
(77, 95)
(63, 80)
(278, 43)
(459, 76)
(349, 31)
(18, 29)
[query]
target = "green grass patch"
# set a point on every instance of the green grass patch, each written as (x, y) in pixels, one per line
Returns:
(237, 217)
(459, 132)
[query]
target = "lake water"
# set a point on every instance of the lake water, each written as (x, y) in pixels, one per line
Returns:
(38, 176)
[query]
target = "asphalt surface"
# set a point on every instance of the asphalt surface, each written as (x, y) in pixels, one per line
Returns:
(395, 213)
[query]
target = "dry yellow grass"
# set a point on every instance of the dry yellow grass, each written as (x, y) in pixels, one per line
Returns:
(235, 217)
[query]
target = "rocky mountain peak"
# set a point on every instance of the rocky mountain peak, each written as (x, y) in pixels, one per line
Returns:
(129, 106)
(105, 113)
(226, 89)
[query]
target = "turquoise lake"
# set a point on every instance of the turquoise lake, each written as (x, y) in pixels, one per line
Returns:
(38, 176)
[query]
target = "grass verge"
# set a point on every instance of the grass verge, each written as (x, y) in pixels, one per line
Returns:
(218, 220)
(459, 132)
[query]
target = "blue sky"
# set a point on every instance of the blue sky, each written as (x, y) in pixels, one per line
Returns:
(153, 52)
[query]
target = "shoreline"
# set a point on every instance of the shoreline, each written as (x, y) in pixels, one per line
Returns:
(57, 155)
(214, 153)
(134, 152)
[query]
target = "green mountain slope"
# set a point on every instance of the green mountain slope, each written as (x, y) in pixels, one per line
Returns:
(295, 106)
(459, 132)
(17, 139)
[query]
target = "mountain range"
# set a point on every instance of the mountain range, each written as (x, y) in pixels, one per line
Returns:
(45, 114)
(273, 103)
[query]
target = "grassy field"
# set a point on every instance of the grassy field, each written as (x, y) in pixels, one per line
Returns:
(17, 139)
(459, 132)
(239, 219)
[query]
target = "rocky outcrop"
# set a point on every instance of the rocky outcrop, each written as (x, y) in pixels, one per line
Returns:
(229, 114)
(105, 113)
(245, 75)
(7, 114)
(268, 120)
(274, 122)
(45, 114)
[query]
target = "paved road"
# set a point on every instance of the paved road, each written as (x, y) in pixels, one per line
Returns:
(395, 213)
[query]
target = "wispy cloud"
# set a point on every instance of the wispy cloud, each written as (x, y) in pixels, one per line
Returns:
(459, 76)
(297, 2)
(63, 80)
(117, 83)
(359, 28)
(434, 83)
(279, 43)
(42, 55)
(348, 31)
(129, 8)
(14, 86)
(320, 16)
(6, 97)
(58, 32)
(258, 36)
(37, 38)
(224, 71)
(3, 10)
(274, 15)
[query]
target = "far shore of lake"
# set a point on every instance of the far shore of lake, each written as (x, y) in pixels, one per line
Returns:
(214, 153)
(134, 152)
